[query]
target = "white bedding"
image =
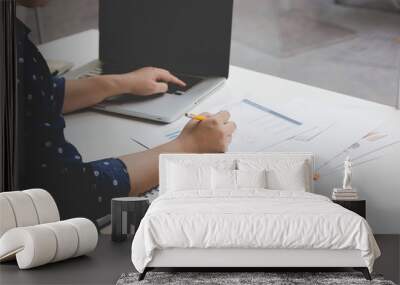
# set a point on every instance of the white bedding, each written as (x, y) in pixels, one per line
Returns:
(251, 218)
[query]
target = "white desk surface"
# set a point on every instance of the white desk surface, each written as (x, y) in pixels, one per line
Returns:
(99, 135)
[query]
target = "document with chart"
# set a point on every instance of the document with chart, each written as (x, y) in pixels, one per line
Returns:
(370, 147)
(296, 126)
(337, 130)
(258, 127)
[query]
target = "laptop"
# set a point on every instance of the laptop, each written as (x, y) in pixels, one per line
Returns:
(190, 38)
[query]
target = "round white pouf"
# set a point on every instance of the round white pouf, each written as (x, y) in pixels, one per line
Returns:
(23, 208)
(87, 234)
(45, 205)
(33, 246)
(40, 244)
(67, 240)
(7, 218)
(31, 232)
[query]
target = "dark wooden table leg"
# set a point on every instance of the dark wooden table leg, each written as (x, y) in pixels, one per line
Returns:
(364, 271)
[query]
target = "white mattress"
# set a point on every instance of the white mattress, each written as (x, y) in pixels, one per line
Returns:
(253, 218)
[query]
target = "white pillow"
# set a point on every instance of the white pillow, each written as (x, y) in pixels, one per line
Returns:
(183, 177)
(227, 179)
(282, 174)
(293, 178)
(223, 179)
(251, 178)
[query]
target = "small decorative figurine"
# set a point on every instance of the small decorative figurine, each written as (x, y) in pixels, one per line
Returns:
(347, 192)
(347, 174)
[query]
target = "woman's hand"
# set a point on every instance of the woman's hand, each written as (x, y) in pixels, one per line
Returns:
(213, 134)
(148, 81)
(145, 81)
(210, 135)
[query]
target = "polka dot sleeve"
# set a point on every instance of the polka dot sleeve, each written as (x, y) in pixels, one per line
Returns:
(59, 91)
(45, 157)
(110, 179)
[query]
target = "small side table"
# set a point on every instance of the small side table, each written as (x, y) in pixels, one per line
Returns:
(126, 214)
(357, 206)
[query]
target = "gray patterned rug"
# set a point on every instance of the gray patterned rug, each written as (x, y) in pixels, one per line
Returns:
(243, 278)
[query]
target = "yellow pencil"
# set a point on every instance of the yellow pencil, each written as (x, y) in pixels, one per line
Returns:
(196, 117)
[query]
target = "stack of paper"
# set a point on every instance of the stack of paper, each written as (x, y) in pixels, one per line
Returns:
(344, 194)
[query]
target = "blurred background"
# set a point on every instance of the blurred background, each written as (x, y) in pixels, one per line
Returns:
(348, 46)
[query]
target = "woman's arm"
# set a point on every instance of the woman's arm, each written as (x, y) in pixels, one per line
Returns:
(83, 93)
(211, 135)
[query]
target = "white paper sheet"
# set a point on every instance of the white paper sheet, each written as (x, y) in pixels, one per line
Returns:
(258, 127)
(338, 128)
(312, 114)
(368, 148)
(322, 130)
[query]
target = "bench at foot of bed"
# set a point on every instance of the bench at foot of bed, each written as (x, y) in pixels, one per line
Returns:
(363, 270)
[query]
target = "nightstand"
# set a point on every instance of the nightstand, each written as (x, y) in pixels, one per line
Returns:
(357, 206)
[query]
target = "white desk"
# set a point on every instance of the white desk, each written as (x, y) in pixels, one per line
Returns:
(98, 135)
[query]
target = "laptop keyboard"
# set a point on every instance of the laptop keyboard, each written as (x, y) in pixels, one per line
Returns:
(179, 90)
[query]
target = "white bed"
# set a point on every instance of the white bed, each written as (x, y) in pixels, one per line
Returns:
(208, 226)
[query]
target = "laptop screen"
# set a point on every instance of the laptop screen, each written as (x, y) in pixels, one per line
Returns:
(183, 36)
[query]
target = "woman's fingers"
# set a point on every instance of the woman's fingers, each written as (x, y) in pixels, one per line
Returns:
(229, 128)
(205, 114)
(160, 87)
(166, 76)
(194, 122)
(228, 140)
(222, 117)
(148, 81)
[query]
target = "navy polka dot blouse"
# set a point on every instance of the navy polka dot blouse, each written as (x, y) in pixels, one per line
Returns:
(46, 159)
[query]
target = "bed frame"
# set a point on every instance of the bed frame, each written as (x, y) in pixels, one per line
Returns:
(259, 259)
(242, 259)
